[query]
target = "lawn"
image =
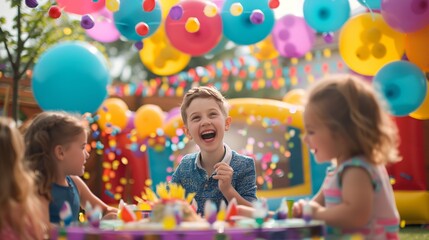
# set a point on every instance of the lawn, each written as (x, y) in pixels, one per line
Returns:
(414, 232)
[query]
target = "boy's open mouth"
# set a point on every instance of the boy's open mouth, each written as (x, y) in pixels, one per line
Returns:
(208, 134)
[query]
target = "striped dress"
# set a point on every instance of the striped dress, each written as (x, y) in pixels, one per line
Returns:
(384, 223)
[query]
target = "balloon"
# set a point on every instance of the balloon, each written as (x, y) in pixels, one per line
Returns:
(326, 15)
(371, 4)
(148, 119)
(219, 3)
(205, 32)
(422, 113)
(160, 57)
(71, 76)
(166, 5)
(292, 36)
(114, 112)
(240, 29)
(403, 85)
(130, 121)
(406, 16)
(295, 96)
(81, 7)
(264, 50)
(170, 127)
(172, 113)
(367, 43)
(416, 48)
(220, 46)
(104, 29)
(131, 13)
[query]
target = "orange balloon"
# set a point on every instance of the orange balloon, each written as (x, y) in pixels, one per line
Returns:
(113, 111)
(367, 43)
(416, 48)
(148, 119)
(172, 125)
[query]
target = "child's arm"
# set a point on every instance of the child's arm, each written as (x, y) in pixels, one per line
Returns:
(357, 201)
(87, 196)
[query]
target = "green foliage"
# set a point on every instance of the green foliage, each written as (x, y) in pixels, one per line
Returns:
(33, 31)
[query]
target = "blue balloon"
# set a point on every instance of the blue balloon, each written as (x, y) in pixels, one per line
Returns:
(372, 4)
(403, 85)
(71, 76)
(131, 13)
(326, 15)
(240, 29)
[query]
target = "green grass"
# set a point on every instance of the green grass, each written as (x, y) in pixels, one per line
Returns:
(414, 232)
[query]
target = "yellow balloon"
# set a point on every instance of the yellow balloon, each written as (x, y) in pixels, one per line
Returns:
(264, 50)
(422, 113)
(295, 96)
(367, 43)
(148, 119)
(416, 47)
(113, 111)
(166, 5)
(160, 57)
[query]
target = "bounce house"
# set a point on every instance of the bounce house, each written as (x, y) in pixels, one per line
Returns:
(270, 131)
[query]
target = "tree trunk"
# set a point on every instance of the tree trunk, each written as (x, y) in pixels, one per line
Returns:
(15, 106)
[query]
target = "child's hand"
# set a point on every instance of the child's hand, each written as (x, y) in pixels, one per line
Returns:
(297, 209)
(224, 174)
(111, 213)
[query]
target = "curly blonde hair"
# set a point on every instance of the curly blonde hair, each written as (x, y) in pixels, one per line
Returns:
(21, 207)
(352, 108)
(203, 92)
(47, 130)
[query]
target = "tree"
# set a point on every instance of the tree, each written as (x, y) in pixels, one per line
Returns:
(31, 33)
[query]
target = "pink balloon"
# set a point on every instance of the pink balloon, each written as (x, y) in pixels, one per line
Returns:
(219, 4)
(406, 16)
(172, 113)
(200, 42)
(104, 29)
(292, 37)
(81, 7)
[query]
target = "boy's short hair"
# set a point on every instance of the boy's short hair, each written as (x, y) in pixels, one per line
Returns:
(203, 92)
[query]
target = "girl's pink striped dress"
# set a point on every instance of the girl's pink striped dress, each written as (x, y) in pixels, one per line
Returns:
(384, 223)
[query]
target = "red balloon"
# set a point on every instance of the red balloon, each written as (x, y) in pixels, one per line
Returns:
(200, 42)
(273, 4)
(54, 12)
(142, 29)
(148, 5)
(81, 7)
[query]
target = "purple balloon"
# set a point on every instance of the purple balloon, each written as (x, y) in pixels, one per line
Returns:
(328, 37)
(130, 123)
(406, 16)
(87, 22)
(176, 12)
(139, 45)
(257, 17)
(292, 37)
(31, 3)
